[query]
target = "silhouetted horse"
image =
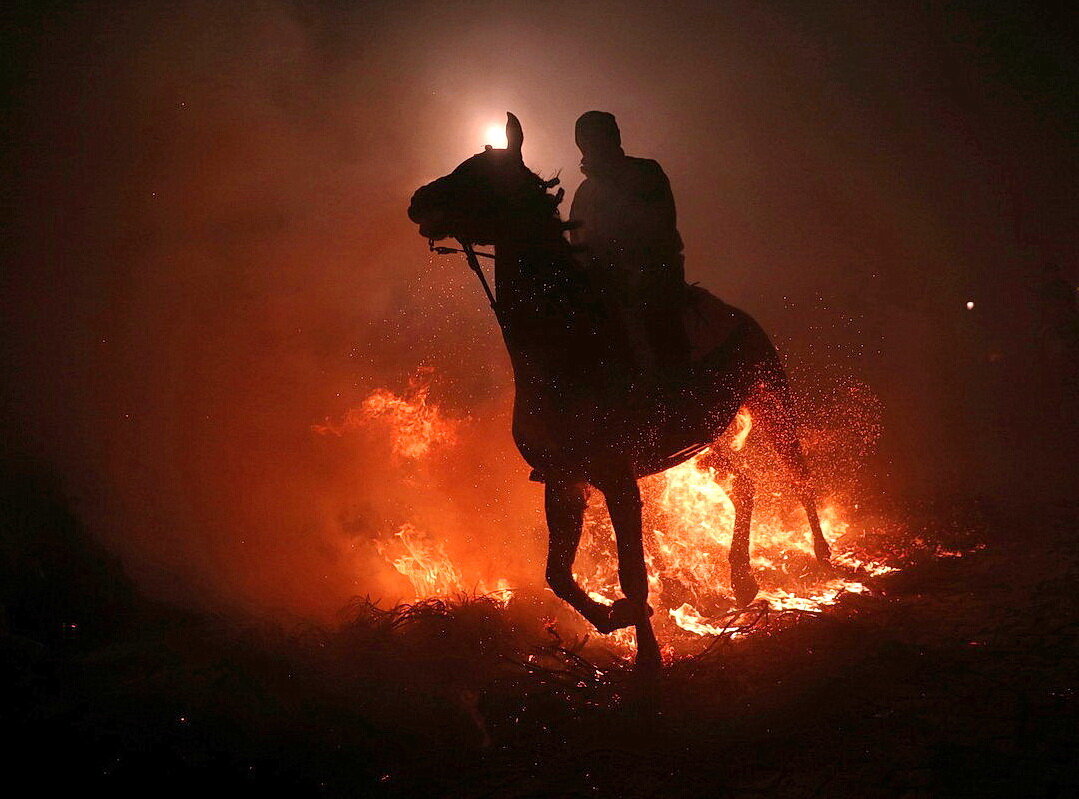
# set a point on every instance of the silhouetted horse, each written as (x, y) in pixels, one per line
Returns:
(578, 418)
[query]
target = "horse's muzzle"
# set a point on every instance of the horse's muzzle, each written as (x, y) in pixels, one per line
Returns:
(427, 210)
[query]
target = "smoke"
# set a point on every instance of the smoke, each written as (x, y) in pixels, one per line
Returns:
(210, 254)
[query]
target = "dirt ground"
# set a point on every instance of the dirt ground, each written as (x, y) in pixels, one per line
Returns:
(956, 677)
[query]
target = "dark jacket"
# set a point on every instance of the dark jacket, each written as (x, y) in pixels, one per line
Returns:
(627, 217)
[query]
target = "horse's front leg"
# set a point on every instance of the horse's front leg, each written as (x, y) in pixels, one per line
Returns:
(624, 505)
(565, 504)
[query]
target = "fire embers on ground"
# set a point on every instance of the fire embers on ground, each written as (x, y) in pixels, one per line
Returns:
(689, 517)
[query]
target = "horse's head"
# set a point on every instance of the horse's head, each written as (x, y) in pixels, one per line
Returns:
(491, 197)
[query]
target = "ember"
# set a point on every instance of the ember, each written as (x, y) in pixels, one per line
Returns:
(689, 515)
(692, 520)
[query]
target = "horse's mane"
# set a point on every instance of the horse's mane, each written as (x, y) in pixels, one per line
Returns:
(543, 201)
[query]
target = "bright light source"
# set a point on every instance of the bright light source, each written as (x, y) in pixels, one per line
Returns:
(970, 305)
(495, 135)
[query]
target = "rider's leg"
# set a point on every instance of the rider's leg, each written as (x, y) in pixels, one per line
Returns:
(565, 505)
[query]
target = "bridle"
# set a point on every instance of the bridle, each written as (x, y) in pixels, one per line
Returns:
(473, 258)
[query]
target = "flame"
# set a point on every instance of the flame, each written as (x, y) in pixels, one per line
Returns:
(688, 552)
(422, 560)
(689, 521)
(689, 618)
(416, 425)
(743, 423)
(432, 573)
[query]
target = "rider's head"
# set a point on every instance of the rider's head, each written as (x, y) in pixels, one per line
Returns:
(598, 136)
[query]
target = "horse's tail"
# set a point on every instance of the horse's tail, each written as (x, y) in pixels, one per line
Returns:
(771, 401)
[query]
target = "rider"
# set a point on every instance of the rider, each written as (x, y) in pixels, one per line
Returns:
(626, 228)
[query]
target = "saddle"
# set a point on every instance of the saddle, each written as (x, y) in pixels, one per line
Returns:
(677, 421)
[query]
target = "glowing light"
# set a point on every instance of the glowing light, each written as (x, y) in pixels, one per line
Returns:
(689, 518)
(424, 561)
(970, 305)
(743, 424)
(495, 135)
(416, 426)
(689, 619)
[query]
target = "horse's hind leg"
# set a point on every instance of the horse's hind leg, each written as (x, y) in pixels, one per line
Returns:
(820, 544)
(742, 582)
(565, 505)
(774, 411)
(624, 505)
(742, 492)
(791, 452)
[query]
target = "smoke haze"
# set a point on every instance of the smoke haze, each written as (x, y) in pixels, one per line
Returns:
(208, 251)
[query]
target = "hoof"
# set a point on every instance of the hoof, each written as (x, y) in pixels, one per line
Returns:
(745, 587)
(648, 662)
(623, 613)
(822, 551)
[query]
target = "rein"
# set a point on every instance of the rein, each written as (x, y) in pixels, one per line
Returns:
(474, 264)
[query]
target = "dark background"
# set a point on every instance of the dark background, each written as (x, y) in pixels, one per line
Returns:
(206, 249)
(206, 252)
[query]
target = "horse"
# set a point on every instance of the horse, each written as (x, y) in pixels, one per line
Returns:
(581, 419)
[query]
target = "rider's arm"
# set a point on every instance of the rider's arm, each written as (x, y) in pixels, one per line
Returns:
(580, 211)
(661, 219)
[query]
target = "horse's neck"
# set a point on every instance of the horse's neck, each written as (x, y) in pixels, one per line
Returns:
(520, 265)
(552, 321)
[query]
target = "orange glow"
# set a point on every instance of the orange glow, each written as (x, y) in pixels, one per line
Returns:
(693, 517)
(416, 426)
(495, 135)
(423, 561)
(689, 518)
(743, 423)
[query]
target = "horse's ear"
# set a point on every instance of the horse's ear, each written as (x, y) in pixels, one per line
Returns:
(515, 136)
